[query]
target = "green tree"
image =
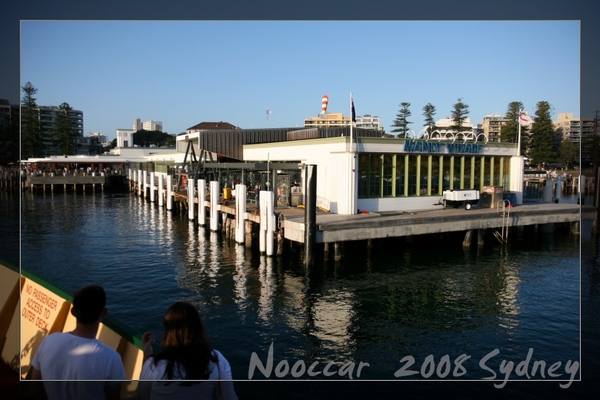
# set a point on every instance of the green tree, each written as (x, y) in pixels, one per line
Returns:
(401, 122)
(543, 147)
(568, 153)
(31, 131)
(148, 138)
(510, 130)
(64, 136)
(171, 140)
(428, 113)
(460, 112)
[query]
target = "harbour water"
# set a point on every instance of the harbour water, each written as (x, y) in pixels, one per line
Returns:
(403, 317)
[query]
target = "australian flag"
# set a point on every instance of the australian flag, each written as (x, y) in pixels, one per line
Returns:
(353, 112)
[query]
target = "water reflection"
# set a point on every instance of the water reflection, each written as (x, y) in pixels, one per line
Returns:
(377, 304)
(268, 285)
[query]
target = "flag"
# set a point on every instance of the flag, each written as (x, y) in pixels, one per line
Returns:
(525, 119)
(353, 112)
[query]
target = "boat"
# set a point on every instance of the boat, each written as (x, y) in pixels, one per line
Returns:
(31, 309)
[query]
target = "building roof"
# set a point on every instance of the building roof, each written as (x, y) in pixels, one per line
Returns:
(213, 126)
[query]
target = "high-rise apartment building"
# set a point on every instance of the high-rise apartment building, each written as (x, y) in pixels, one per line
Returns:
(337, 119)
(328, 120)
(369, 122)
(47, 116)
(491, 126)
(152, 125)
(576, 130)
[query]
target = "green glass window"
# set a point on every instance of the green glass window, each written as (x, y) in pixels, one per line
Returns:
(400, 174)
(363, 175)
(375, 175)
(388, 171)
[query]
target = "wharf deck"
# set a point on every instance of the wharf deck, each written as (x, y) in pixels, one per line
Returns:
(333, 228)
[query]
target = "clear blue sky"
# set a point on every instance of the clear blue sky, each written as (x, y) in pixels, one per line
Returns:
(184, 73)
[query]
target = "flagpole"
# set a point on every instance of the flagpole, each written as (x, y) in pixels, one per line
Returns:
(519, 135)
(351, 122)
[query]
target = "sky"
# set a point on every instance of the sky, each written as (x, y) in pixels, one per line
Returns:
(183, 73)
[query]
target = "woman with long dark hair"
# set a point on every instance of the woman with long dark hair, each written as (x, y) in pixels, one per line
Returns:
(187, 367)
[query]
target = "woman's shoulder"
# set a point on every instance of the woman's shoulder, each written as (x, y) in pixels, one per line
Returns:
(153, 369)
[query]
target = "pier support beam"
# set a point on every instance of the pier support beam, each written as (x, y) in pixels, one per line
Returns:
(152, 186)
(202, 202)
(270, 202)
(310, 213)
(248, 225)
(480, 237)
(161, 190)
(140, 185)
(575, 227)
(468, 238)
(191, 198)
(169, 192)
(240, 211)
(279, 243)
(337, 254)
(214, 205)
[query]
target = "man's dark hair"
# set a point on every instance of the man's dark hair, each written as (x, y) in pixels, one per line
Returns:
(88, 304)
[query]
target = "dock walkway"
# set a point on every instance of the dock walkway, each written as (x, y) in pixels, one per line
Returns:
(333, 228)
(341, 228)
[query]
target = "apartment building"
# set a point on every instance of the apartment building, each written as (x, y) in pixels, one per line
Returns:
(576, 130)
(491, 126)
(47, 116)
(326, 120)
(152, 125)
(369, 122)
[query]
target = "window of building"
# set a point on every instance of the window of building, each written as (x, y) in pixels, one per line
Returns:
(401, 175)
(388, 172)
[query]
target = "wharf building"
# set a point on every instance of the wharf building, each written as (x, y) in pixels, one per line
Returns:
(358, 170)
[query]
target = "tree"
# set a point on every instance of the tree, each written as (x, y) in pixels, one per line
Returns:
(568, 153)
(543, 148)
(401, 122)
(510, 130)
(460, 113)
(157, 138)
(64, 136)
(31, 131)
(428, 113)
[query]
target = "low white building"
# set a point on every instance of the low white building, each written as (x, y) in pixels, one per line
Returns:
(389, 174)
(125, 137)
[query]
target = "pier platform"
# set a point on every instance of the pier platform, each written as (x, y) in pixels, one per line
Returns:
(333, 228)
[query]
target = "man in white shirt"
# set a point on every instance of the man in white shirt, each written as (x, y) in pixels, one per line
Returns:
(75, 365)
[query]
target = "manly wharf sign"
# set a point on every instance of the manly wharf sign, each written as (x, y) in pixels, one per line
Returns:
(422, 146)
